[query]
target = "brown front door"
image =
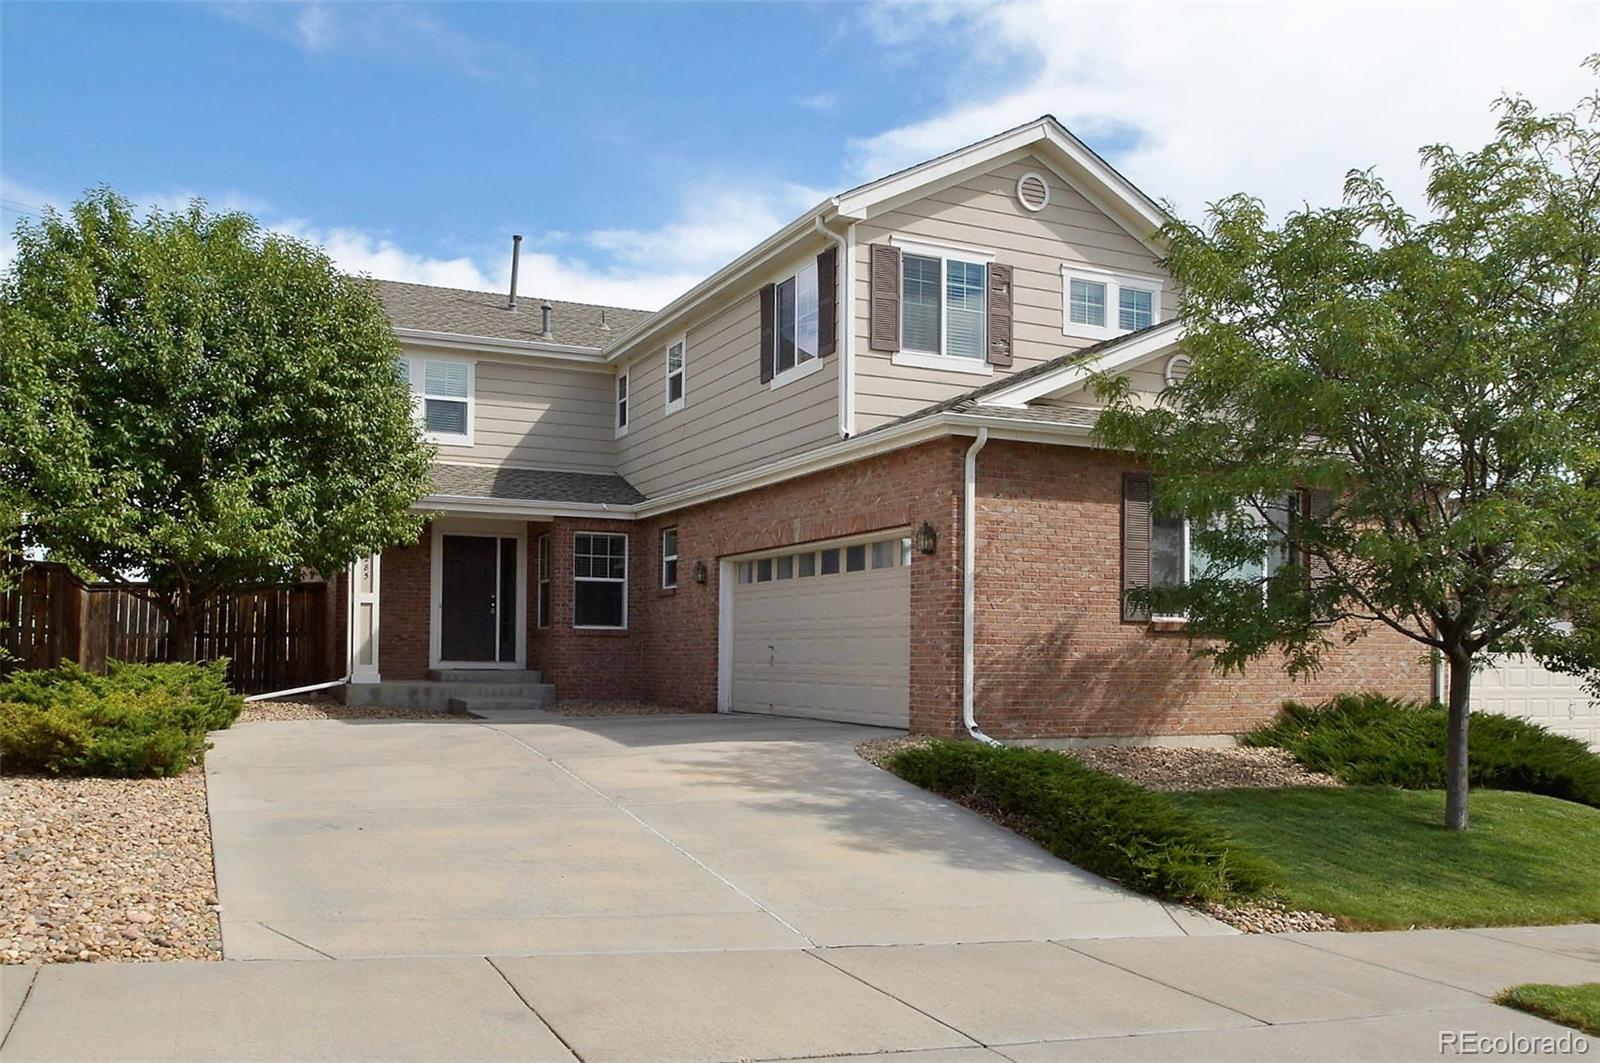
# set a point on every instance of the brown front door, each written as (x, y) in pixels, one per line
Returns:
(468, 605)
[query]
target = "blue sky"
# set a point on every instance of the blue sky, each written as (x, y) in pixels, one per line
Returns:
(641, 146)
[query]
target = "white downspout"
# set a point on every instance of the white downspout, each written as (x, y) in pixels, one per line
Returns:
(844, 329)
(969, 585)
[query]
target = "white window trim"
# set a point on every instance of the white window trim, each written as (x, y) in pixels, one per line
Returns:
(952, 363)
(674, 405)
(944, 363)
(542, 564)
(622, 399)
(665, 557)
(417, 374)
(576, 579)
(1183, 568)
(799, 370)
(1114, 283)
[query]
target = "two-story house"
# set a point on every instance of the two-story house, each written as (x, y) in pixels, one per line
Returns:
(850, 475)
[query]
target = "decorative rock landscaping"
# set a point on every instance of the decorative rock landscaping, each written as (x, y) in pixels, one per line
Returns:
(106, 869)
(324, 708)
(1179, 768)
(613, 707)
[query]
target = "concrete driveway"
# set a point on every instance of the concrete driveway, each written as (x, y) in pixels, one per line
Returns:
(552, 835)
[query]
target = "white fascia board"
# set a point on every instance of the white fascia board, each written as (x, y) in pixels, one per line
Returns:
(672, 315)
(456, 341)
(1120, 356)
(1066, 435)
(1071, 160)
(528, 509)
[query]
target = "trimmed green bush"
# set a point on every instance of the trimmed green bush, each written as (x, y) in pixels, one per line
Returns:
(1374, 740)
(1101, 823)
(139, 719)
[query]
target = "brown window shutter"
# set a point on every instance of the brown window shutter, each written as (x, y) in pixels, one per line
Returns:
(999, 314)
(768, 329)
(884, 331)
(827, 301)
(1135, 539)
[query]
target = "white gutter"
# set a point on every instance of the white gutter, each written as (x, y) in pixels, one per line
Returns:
(299, 690)
(969, 585)
(842, 322)
(510, 507)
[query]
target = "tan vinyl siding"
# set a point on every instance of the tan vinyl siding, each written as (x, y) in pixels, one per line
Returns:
(538, 416)
(982, 211)
(729, 420)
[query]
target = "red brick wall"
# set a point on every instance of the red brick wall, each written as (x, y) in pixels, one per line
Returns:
(587, 663)
(1054, 656)
(404, 609)
(677, 631)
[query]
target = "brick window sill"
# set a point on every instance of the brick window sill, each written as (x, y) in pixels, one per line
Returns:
(1169, 625)
(601, 632)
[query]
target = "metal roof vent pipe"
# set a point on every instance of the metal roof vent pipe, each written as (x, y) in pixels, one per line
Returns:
(516, 259)
(544, 320)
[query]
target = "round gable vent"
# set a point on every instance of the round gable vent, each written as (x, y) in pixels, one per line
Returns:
(1033, 192)
(1177, 368)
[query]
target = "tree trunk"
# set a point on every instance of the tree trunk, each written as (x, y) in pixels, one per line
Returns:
(183, 633)
(1455, 765)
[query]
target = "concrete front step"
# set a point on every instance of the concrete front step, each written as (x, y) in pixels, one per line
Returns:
(468, 706)
(484, 675)
(432, 694)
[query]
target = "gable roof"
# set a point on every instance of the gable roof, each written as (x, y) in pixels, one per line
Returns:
(1072, 160)
(426, 308)
(1045, 137)
(1009, 396)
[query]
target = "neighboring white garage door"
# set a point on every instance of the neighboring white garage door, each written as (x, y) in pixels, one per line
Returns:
(1519, 686)
(824, 631)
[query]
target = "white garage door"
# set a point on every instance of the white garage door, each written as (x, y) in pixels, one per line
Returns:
(1519, 686)
(824, 631)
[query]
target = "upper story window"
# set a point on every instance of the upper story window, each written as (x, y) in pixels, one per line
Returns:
(675, 360)
(622, 402)
(942, 304)
(442, 393)
(795, 321)
(1098, 304)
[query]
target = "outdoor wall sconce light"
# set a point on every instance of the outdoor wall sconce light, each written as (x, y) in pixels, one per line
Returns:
(699, 571)
(925, 538)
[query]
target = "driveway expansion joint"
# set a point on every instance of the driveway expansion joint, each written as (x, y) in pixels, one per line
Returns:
(26, 993)
(296, 940)
(1151, 978)
(529, 1005)
(815, 953)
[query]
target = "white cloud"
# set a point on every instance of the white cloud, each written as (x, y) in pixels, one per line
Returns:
(1275, 100)
(818, 101)
(715, 223)
(401, 30)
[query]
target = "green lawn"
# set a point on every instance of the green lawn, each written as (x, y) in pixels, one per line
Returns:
(1378, 858)
(1577, 1006)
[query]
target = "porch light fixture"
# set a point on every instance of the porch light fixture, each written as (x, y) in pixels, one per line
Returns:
(925, 538)
(699, 571)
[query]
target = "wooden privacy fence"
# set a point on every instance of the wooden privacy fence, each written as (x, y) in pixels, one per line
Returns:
(274, 638)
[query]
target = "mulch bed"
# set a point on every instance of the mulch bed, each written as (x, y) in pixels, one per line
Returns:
(106, 869)
(1176, 769)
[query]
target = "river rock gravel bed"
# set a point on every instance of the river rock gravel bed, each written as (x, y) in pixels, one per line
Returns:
(106, 869)
(329, 709)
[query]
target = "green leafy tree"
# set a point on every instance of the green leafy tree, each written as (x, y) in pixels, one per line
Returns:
(1392, 421)
(191, 402)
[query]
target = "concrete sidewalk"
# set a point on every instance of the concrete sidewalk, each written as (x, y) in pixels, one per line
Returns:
(1302, 997)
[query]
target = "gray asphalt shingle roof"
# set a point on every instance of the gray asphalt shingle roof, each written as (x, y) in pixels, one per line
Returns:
(468, 313)
(532, 485)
